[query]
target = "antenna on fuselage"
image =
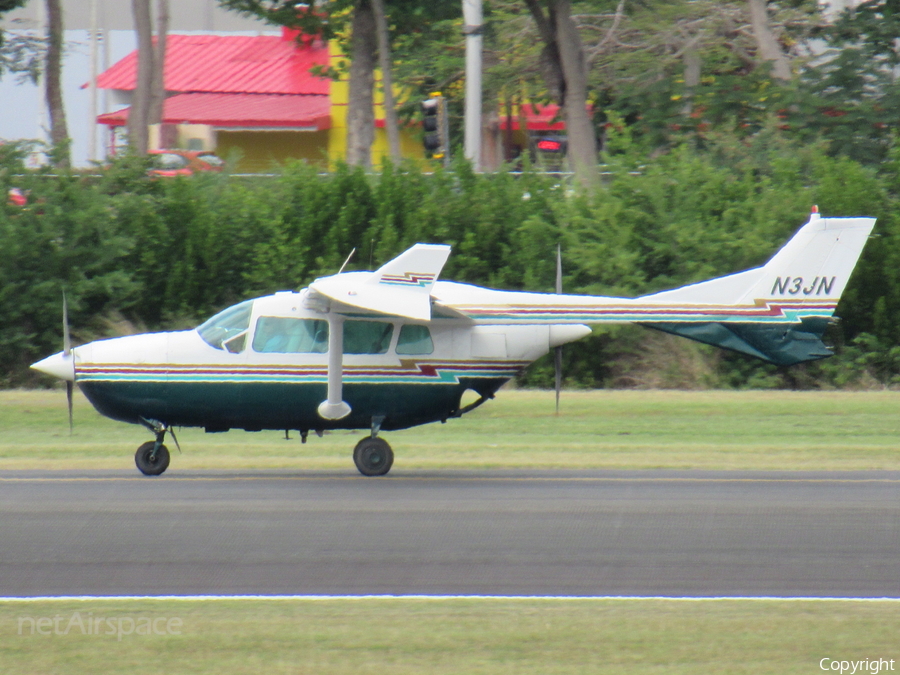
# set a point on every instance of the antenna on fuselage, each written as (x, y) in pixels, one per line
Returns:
(347, 260)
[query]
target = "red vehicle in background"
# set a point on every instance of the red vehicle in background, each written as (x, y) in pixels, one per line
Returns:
(183, 162)
(16, 197)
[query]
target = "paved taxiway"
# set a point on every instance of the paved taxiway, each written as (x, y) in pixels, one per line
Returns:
(445, 532)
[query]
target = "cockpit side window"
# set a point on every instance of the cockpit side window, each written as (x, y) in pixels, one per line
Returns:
(367, 337)
(286, 335)
(228, 328)
(414, 340)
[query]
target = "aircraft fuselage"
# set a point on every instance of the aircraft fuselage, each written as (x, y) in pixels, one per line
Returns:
(400, 372)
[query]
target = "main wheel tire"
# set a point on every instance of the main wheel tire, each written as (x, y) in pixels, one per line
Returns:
(373, 457)
(148, 464)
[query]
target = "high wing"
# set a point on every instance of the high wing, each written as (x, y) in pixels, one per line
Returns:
(401, 287)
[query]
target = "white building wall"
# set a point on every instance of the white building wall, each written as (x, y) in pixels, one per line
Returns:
(22, 109)
(831, 8)
(185, 15)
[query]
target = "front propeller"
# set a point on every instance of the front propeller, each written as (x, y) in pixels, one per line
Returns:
(557, 351)
(62, 365)
(67, 354)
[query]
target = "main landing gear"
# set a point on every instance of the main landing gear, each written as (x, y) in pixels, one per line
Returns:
(152, 457)
(372, 455)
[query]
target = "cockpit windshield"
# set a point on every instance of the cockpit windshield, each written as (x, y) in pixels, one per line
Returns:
(228, 329)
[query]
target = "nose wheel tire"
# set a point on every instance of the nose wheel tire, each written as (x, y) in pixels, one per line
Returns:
(151, 464)
(373, 457)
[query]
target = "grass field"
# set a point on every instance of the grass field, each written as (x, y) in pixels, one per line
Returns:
(609, 429)
(599, 429)
(413, 636)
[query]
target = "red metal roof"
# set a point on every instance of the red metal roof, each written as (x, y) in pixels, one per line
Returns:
(260, 64)
(537, 118)
(240, 110)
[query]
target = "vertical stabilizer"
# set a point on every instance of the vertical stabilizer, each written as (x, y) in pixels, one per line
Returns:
(816, 263)
(813, 267)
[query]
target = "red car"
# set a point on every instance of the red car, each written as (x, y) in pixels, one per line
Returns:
(16, 197)
(183, 162)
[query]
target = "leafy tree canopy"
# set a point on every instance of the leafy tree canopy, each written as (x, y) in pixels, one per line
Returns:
(20, 53)
(9, 5)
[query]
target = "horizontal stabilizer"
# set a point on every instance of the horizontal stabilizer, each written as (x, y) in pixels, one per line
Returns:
(781, 345)
(401, 287)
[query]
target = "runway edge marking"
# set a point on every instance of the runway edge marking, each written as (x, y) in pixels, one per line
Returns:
(721, 598)
(493, 479)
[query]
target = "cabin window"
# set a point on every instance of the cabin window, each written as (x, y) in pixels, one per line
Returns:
(367, 337)
(228, 328)
(414, 340)
(286, 335)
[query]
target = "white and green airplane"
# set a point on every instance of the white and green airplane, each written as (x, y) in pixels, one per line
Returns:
(396, 348)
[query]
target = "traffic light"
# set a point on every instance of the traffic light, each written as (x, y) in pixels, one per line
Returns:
(551, 144)
(434, 125)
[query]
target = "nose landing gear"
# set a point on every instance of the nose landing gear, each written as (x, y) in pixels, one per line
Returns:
(152, 458)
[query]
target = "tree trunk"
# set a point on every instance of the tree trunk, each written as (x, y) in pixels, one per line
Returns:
(59, 134)
(139, 115)
(158, 86)
(550, 63)
(769, 49)
(582, 141)
(692, 70)
(360, 109)
(565, 74)
(391, 123)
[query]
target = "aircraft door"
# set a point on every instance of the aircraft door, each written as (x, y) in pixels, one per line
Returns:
(289, 355)
(488, 344)
(217, 389)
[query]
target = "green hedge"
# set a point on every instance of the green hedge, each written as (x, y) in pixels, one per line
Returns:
(137, 253)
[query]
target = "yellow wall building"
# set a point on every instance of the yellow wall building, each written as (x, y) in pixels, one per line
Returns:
(253, 100)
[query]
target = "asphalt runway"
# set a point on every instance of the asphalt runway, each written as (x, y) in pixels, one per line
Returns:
(646, 533)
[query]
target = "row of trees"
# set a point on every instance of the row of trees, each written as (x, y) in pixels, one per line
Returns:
(669, 69)
(561, 60)
(134, 253)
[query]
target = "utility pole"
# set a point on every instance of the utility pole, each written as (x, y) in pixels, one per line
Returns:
(92, 87)
(472, 17)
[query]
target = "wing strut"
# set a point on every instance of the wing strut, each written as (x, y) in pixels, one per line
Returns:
(334, 407)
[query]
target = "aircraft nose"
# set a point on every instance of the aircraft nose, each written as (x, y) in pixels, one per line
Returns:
(59, 365)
